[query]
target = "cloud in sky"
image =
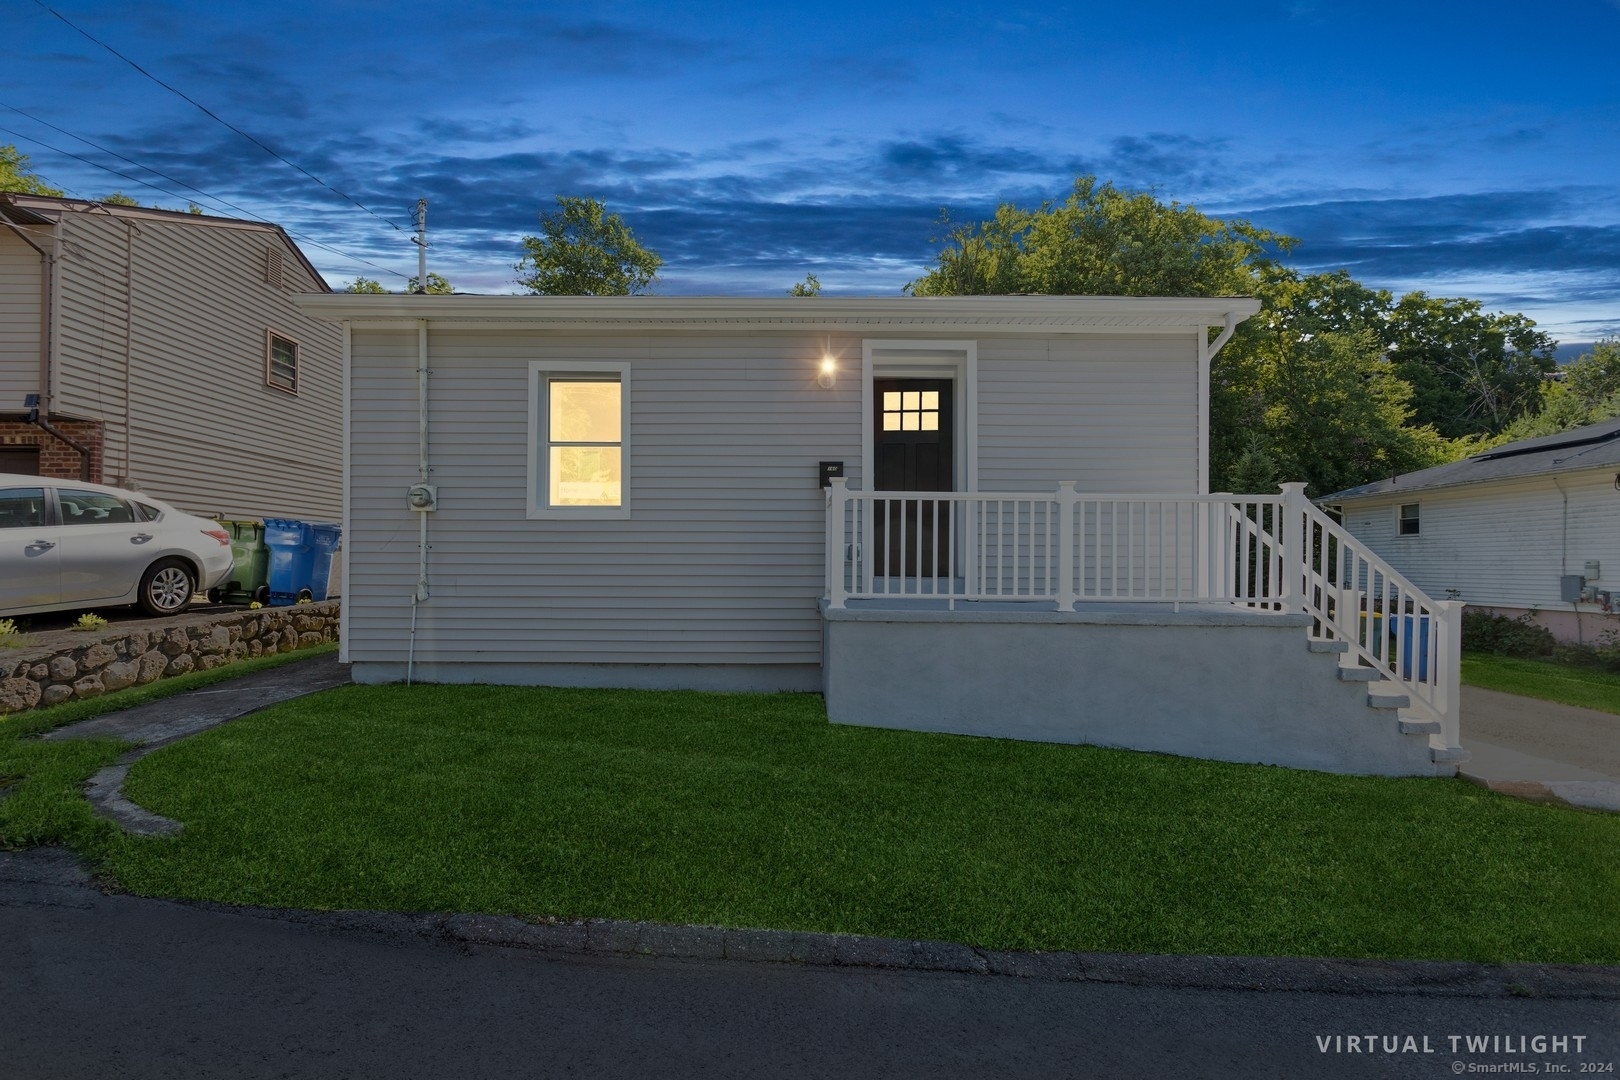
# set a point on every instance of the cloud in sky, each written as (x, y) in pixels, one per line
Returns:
(749, 149)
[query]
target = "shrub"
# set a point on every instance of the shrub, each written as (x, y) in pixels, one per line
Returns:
(1486, 632)
(90, 621)
(11, 634)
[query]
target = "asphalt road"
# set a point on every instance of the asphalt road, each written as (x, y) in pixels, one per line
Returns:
(109, 987)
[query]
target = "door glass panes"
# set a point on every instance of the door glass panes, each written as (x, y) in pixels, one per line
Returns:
(22, 508)
(911, 410)
(93, 508)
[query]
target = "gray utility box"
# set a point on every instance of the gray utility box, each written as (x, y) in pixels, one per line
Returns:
(1569, 587)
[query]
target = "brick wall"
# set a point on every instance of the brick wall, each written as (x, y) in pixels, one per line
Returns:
(57, 458)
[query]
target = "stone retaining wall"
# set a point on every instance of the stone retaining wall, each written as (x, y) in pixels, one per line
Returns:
(118, 657)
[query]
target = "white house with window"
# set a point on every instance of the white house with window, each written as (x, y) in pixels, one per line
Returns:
(986, 515)
(1529, 527)
(162, 352)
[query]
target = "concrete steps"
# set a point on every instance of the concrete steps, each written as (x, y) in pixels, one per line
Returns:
(1386, 697)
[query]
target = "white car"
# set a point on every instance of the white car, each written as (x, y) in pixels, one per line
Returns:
(66, 544)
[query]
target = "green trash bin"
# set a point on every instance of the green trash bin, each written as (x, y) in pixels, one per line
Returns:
(250, 565)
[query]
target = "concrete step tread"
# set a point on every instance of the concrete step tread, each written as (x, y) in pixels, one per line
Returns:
(1319, 646)
(1359, 674)
(1420, 727)
(1387, 695)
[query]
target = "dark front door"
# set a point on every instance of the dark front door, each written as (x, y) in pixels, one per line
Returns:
(912, 452)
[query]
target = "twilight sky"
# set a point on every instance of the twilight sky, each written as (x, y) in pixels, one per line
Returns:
(1469, 149)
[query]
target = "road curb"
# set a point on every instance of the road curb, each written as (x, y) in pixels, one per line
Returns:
(618, 938)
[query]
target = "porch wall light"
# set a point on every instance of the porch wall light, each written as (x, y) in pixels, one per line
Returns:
(827, 377)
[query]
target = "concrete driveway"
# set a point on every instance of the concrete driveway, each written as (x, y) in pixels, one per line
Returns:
(1533, 748)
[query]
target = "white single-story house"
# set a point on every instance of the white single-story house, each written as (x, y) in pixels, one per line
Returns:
(984, 515)
(1530, 527)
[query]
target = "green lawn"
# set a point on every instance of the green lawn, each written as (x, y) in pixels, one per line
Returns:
(41, 782)
(1544, 679)
(750, 810)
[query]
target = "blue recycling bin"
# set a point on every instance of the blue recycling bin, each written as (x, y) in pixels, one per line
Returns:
(325, 539)
(1419, 634)
(292, 561)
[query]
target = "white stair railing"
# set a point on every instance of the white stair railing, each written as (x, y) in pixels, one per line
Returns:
(1391, 625)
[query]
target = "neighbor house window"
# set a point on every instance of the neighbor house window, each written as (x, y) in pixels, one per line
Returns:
(281, 362)
(580, 463)
(1408, 520)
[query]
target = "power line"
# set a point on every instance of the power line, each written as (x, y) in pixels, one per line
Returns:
(177, 195)
(216, 117)
(131, 161)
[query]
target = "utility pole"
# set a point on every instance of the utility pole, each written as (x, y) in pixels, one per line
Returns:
(420, 240)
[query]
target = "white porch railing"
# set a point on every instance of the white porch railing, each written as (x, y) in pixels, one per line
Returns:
(1269, 552)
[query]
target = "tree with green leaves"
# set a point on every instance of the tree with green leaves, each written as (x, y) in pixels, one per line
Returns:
(584, 251)
(1588, 393)
(1472, 373)
(118, 198)
(1100, 241)
(436, 285)
(1303, 391)
(810, 286)
(364, 285)
(15, 174)
(1594, 377)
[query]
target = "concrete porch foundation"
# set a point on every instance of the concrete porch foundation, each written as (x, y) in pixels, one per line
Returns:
(1214, 682)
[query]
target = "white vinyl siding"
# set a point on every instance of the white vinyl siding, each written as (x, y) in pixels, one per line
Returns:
(721, 561)
(1501, 543)
(1115, 414)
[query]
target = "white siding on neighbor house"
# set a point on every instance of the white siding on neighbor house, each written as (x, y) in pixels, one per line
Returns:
(19, 317)
(721, 558)
(1500, 543)
(204, 431)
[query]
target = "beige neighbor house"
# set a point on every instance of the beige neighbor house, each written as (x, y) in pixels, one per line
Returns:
(167, 355)
(1531, 527)
(982, 515)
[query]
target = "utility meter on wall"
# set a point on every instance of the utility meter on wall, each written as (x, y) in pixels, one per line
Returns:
(423, 497)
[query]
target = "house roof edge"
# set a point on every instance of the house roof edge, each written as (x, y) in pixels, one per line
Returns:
(1055, 313)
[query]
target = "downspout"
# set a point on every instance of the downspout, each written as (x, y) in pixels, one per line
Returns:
(47, 321)
(421, 592)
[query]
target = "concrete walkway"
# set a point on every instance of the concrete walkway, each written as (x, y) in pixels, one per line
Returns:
(1541, 750)
(159, 723)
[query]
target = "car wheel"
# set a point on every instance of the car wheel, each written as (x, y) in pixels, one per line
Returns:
(166, 588)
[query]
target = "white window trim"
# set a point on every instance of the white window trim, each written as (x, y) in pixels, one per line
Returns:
(540, 439)
(963, 370)
(1411, 535)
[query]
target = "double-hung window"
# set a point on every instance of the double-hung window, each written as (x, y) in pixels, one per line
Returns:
(579, 464)
(1408, 522)
(280, 362)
